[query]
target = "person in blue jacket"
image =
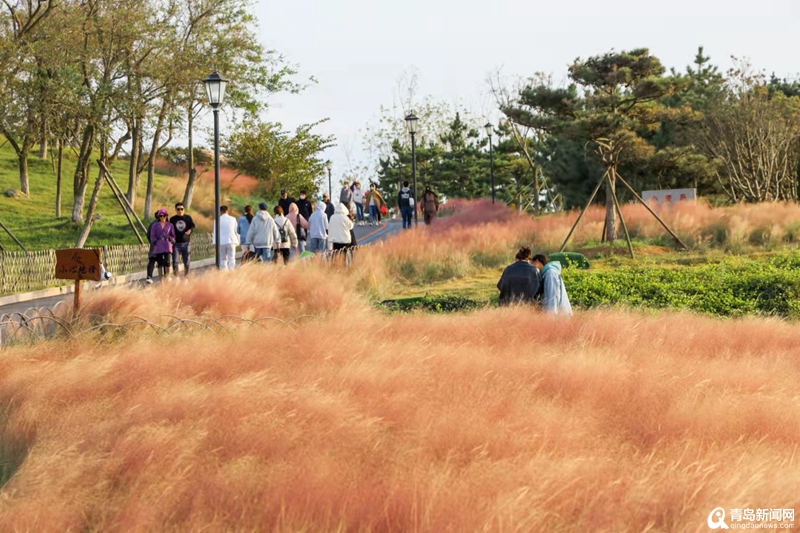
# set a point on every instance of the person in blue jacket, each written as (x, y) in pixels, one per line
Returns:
(554, 298)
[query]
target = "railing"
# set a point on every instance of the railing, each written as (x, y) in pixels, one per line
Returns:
(23, 272)
(44, 323)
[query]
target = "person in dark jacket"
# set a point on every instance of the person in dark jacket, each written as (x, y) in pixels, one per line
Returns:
(330, 210)
(520, 280)
(406, 202)
(285, 201)
(304, 206)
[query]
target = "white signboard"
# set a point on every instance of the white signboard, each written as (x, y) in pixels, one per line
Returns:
(669, 196)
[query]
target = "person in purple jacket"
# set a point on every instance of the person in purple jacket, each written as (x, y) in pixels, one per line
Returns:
(162, 237)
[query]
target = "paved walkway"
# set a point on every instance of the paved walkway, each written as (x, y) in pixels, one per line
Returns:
(364, 235)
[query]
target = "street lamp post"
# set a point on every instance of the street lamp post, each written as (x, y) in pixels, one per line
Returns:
(329, 165)
(215, 88)
(411, 123)
(489, 131)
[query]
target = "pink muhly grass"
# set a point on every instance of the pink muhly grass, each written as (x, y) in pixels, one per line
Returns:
(497, 420)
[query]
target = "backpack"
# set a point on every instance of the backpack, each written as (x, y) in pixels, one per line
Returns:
(282, 231)
(302, 233)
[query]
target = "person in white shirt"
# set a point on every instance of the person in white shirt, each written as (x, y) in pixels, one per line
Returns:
(285, 247)
(319, 229)
(358, 199)
(263, 233)
(228, 239)
(339, 228)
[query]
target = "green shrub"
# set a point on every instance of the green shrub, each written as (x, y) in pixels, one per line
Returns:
(441, 304)
(570, 259)
(732, 288)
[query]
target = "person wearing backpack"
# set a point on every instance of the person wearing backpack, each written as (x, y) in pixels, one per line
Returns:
(288, 235)
(263, 233)
(301, 227)
(406, 201)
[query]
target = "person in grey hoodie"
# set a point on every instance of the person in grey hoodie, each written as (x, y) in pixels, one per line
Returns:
(318, 234)
(263, 233)
(554, 300)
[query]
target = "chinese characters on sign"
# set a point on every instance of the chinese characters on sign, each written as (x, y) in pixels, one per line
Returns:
(78, 263)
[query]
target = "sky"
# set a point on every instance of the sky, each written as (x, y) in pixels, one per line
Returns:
(358, 49)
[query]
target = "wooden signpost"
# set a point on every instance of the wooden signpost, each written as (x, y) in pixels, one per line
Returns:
(78, 264)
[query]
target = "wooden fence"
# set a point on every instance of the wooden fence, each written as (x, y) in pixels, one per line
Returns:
(23, 272)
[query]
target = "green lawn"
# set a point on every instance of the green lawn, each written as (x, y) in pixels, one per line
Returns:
(33, 219)
(709, 282)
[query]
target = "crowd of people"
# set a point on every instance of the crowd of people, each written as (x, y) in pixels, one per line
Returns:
(295, 228)
(297, 231)
(534, 279)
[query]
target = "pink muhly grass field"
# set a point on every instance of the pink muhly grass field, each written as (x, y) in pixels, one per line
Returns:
(480, 227)
(498, 420)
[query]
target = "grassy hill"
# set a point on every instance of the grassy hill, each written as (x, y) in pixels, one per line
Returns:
(33, 219)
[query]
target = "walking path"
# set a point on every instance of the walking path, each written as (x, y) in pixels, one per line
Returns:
(19, 303)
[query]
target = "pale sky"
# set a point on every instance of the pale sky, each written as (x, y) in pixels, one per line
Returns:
(357, 49)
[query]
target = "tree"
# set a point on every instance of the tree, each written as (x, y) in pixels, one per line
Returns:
(754, 135)
(24, 77)
(221, 35)
(278, 158)
(614, 98)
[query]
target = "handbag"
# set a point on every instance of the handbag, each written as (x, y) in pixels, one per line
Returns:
(384, 210)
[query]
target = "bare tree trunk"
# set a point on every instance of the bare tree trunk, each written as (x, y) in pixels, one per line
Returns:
(80, 199)
(133, 178)
(24, 179)
(81, 179)
(59, 176)
(43, 141)
(87, 226)
(187, 196)
(22, 161)
(151, 161)
(611, 216)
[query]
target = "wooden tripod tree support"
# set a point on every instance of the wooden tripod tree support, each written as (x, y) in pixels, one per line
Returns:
(619, 211)
(122, 205)
(120, 195)
(677, 239)
(12, 236)
(622, 221)
(591, 199)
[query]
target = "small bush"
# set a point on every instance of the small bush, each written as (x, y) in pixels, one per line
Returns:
(729, 289)
(570, 259)
(442, 304)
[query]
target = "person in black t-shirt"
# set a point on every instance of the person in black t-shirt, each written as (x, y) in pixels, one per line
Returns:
(285, 201)
(304, 206)
(183, 229)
